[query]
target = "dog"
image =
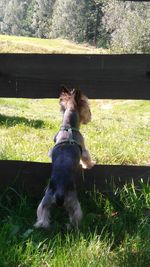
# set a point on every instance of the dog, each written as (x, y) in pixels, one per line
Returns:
(67, 155)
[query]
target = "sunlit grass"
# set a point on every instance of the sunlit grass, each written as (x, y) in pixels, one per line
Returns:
(15, 44)
(118, 133)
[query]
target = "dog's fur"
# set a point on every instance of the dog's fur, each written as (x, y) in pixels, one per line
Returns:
(67, 153)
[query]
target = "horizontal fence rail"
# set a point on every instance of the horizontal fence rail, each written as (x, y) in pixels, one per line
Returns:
(32, 177)
(99, 76)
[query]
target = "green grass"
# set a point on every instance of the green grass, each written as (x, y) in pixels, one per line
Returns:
(115, 232)
(15, 44)
(118, 133)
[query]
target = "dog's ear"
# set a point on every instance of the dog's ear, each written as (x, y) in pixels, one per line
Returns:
(77, 95)
(64, 97)
(65, 90)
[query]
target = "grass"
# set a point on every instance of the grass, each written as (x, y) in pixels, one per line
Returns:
(15, 44)
(118, 134)
(115, 232)
(116, 229)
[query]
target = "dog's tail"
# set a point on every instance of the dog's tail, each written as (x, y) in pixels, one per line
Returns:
(59, 197)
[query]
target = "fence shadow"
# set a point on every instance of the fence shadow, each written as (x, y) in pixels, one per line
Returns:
(9, 121)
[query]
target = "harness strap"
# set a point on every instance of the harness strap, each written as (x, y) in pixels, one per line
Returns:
(71, 140)
(69, 130)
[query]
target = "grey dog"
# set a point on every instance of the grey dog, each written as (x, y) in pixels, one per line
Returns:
(67, 155)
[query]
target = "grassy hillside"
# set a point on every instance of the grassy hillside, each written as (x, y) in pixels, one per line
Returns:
(15, 44)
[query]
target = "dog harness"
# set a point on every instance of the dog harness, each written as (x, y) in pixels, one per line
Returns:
(70, 140)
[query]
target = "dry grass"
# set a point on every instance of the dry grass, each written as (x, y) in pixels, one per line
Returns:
(15, 44)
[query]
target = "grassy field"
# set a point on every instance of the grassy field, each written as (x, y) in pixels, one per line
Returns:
(116, 229)
(15, 44)
(118, 134)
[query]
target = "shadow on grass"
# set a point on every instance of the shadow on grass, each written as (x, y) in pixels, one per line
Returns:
(9, 121)
(102, 214)
(106, 217)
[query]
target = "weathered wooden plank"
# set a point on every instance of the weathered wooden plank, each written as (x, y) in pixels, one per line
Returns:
(99, 76)
(32, 177)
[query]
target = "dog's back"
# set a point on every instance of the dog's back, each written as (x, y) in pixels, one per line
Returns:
(65, 165)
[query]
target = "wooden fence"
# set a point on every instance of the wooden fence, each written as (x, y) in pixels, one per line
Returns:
(99, 76)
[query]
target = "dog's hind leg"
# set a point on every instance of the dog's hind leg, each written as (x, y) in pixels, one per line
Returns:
(73, 207)
(43, 211)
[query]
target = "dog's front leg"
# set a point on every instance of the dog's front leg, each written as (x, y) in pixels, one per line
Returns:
(86, 160)
(50, 152)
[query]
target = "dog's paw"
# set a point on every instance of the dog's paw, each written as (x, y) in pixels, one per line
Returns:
(91, 165)
(68, 227)
(41, 224)
(84, 166)
(88, 165)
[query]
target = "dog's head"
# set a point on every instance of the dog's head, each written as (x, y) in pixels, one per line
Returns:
(75, 100)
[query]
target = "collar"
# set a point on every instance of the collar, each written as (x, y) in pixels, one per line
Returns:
(67, 128)
(70, 131)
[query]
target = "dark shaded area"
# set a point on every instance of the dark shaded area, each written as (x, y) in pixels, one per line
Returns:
(9, 121)
(107, 217)
(148, 74)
